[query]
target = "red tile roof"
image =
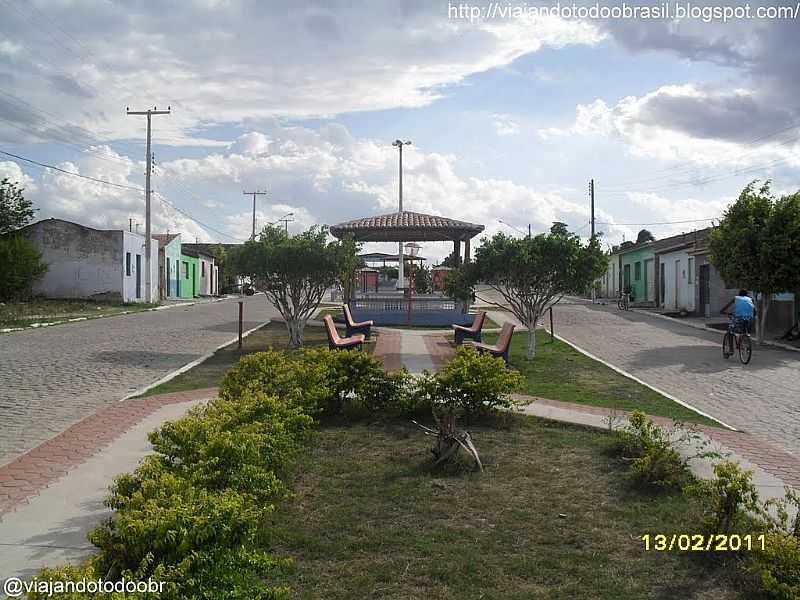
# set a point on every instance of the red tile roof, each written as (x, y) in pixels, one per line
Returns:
(407, 226)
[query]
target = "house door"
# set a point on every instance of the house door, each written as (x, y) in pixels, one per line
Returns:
(626, 284)
(168, 289)
(194, 279)
(677, 281)
(138, 275)
(662, 296)
(705, 296)
(649, 280)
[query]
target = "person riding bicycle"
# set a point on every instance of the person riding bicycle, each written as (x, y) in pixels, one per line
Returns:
(743, 310)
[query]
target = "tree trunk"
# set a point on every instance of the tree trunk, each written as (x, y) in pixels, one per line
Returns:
(295, 329)
(763, 309)
(532, 338)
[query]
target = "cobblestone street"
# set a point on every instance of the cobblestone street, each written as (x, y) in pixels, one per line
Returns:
(51, 378)
(762, 398)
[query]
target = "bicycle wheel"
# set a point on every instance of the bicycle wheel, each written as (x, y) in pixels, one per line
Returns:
(745, 349)
(727, 345)
(620, 305)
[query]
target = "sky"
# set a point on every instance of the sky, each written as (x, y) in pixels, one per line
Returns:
(510, 112)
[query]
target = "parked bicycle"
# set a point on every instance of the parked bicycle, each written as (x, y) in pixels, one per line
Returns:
(624, 302)
(738, 335)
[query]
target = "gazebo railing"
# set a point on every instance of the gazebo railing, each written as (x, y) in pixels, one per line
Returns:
(398, 303)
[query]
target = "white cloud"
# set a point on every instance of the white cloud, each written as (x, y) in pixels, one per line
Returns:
(504, 124)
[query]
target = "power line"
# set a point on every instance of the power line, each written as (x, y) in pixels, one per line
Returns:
(659, 222)
(59, 169)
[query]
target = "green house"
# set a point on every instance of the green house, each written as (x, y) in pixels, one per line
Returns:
(638, 271)
(189, 277)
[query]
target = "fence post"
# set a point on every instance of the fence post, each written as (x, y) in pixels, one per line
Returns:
(241, 309)
(551, 325)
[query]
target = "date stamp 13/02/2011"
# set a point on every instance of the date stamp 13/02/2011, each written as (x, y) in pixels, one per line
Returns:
(700, 542)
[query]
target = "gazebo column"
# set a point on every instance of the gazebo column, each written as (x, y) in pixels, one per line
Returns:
(467, 256)
(400, 265)
(457, 252)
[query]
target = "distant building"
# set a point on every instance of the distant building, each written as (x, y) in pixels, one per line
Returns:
(208, 270)
(169, 258)
(95, 264)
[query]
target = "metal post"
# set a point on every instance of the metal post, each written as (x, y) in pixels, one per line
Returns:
(552, 333)
(400, 274)
(410, 292)
(241, 310)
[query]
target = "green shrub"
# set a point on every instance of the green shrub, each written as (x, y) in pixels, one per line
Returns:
(777, 566)
(728, 498)
(243, 444)
(472, 384)
(20, 266)
(651, 454)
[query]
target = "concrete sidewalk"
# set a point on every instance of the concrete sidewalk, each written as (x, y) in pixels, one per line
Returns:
(52, 496)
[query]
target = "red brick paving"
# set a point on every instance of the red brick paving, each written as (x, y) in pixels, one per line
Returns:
(760, 452)
(387, 349)
(25, 476)
(440, 350)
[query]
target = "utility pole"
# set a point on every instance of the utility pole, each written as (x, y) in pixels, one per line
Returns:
(399, 145)
(286, 224)
(254, 194)
(529, 230)
(147, 239)
(591, 195)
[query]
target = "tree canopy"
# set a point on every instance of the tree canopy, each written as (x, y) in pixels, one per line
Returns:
(645, 236)
(15, 210)
(293, 272)
(533, 273)
(756, 245)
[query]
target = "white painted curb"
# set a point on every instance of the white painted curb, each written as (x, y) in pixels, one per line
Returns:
(192, 364)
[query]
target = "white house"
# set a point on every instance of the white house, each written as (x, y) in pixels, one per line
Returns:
(83, 262)
(677, 279)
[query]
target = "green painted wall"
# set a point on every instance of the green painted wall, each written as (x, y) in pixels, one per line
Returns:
(629, 269)
(190, 277)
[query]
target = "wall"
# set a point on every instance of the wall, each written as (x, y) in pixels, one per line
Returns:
(681, 297)
(719, 294)
(639, 286)
(608, 284)
(204, 274)
(133, 243)
(82, 262)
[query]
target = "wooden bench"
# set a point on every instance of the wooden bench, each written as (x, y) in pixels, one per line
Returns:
(473, 331)
(336, 342)
(502, 346)
(352, 326)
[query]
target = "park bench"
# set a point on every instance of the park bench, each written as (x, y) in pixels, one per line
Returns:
(336, 342)
(354, 327)
(502, 346)
(473, 331)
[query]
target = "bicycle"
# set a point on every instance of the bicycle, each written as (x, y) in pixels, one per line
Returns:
(738, 333)
(624, 301)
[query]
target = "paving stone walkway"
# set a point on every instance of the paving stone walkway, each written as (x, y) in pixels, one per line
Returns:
(51, 378)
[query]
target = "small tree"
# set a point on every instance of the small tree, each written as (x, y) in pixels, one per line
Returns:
(757, 245)
(422, 279)
(534, 273)
(458, 285)
(644, 236)
(293, 272)
(15, 210)
(20, 266)
(349, 263)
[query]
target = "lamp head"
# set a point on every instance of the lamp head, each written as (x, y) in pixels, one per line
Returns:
(412, 249)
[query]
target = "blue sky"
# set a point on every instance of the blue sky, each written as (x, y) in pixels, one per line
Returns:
(510, 118)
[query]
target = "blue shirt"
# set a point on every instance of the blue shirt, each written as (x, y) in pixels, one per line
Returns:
(743, 307)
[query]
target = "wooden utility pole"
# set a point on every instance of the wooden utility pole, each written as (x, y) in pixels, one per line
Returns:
(147, 239)
(254, 194)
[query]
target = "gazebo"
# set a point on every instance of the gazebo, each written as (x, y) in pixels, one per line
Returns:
(407, 226)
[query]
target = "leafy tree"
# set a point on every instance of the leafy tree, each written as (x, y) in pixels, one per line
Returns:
(534, 273)
(644, 236)
(422, 279)
(15, 210)
(756, 245)
(20, 266)
(451, 261)
(458, 285)
(349, 263)
(293, 272)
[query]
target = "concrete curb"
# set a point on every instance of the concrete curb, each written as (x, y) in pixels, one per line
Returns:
(191, 365)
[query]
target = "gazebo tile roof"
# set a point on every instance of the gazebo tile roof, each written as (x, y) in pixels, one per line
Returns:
(419, 226)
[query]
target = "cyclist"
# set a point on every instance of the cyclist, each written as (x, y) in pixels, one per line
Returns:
(743, 310)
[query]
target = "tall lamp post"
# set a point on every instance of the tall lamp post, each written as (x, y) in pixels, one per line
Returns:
(284, 220)
(399, 145)
(412, 249)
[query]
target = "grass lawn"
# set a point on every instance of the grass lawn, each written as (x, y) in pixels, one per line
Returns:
(41, 310)
(553, 516)
(334, 312)
(210, 373)
(559, 372)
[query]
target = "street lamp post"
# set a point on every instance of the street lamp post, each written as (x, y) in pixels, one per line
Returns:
(399, 145)
(515, 228)
(284, 220)
(412, 249)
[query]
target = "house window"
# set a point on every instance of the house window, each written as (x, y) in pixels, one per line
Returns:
(128, 264)
(637, 271)
(186, 270)
(690, 269)
(202, 268)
